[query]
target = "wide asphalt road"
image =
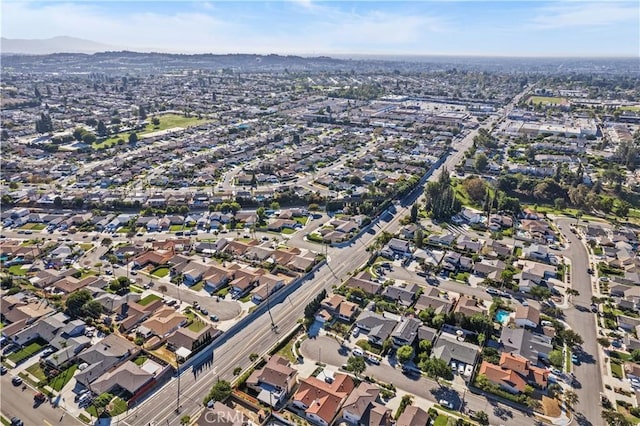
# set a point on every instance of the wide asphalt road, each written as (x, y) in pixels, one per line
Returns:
(17, 402)
(328, 349)
(583, 322)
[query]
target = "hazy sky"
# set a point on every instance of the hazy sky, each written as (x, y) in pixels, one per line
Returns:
(506, 28)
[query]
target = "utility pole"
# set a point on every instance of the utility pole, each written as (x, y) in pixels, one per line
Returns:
(273, 325)
(178, 370)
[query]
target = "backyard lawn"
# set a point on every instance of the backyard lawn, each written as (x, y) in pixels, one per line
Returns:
(196, 325)
(27, 351)
(160, 272)
(17, 270)
(63, 378)
(36, 371)
(150, 298)
(198, 286)
(616, 370)
(441, 420)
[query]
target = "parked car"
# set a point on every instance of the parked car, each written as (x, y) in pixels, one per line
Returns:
(445, 403)
(575, 359)
(213, 317)
(15, 421)
(16, 381)
(357, 352)
(39, 397)
(373, 360)
(3, 370)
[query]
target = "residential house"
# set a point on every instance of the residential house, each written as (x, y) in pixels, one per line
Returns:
(536, 252)
(432, 300)
(361, 402)
(468, 244)
(126, 377)
(450, 349)
(399, 247)
(527, 316)
(402, 295)
(375, 326)
(322, 401)
(530, 345)
(274, 381)
(413, 416)
(514, 373)
(110, 352)
(216, 277)
(489, 268)
(370, 288)
(443, 240)
(535, 272)
(162, 323)
(406, 332)
(192, 340)
(469, 306)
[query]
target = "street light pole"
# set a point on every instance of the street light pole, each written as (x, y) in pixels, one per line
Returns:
(178, 370)
(273, 325)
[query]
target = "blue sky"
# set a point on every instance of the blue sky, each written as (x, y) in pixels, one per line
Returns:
(503, 28)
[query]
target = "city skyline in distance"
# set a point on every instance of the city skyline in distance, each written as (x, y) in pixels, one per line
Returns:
(414, 28)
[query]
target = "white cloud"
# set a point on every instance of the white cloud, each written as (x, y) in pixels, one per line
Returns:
(585, 14)
(322, 28)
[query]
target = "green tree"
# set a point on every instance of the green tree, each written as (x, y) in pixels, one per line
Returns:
(133, 138)
(92, 309)
(570, 398)
(142, 112)
(570, 337)
(482, 418)
(556, 358)
(436, 368)
(219, 392)
(476, 188)
(425, 346)
(441, 201)
(102, 402)
(404, 354)
(414, 213)
(356, 365)
(162, 289)
(614, 418)
(78, 133)
(155, 121)
(418, 238)
(101, 129)
(480, 162)
(88, 138)
(76, 301)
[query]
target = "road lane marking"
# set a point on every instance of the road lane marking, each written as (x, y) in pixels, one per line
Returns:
(46, 422)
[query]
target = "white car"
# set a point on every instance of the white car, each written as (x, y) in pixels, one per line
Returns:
(357, 352)
(445, 403)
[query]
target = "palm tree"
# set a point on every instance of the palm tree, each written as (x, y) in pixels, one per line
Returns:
(570, 398)
(163, 289)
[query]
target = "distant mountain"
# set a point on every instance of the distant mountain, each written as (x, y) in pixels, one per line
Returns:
(47, 46)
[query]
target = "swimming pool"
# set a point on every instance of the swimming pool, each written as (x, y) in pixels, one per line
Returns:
(502, 316)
